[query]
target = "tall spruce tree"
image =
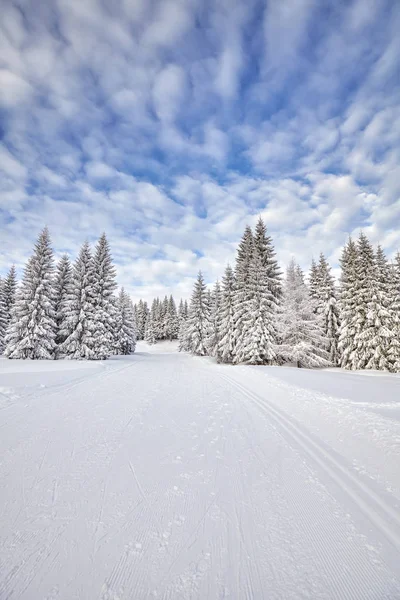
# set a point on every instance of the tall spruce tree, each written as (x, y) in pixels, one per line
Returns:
(215, 321)
(78, 313)
(10, 290)
(62, 284)
(264, 247)
(323, 293)
(226, 344)
(171, 320)
(125, 330)
(303, 341)
(257, 341)
(104, 285)
(149, 334)
(382, 327)
(348, 305)
(243, 290)
(198, 321)
(365, 339)
(32, 331)
(3, 316)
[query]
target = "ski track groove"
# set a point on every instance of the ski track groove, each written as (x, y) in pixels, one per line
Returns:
(386, 520)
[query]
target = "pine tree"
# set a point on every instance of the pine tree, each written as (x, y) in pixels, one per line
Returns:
(183, 345)
(198, 322)
(141, 318)
(226, 345)
(171, 320)
(215, 322)
(243, 291)
(62, 285)
(382, 327)
(256, 343)
(78, 312)
(315, 286)
(31, 333)
(104, 284)
(10, 290)
(150, 335)
(265, 249)
(3, 316)
(323, 294)
(125, 325)
(303, 341)
(347, 305)
(365, 341)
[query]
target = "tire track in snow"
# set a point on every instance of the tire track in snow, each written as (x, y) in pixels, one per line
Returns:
(375, 508)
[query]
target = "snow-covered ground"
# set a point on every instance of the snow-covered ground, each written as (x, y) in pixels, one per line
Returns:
(166, 476)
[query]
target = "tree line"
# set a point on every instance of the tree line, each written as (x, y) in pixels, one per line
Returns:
(66, 310)
(257, 316)
(253, 316)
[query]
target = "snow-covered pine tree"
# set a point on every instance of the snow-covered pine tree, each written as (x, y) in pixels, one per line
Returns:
(366, 300)
(31, 333)
(141, 318)
(125, 331)
(3, 316)
(183, 345)
(303, 341)
(198, 321)
(104, 285)
(382, 326)
(149, 334)
(226, 345)
(314, 286)
(323, 293)
(264, 247)
(171, 320)
(243, 292)
(10, 290)
(78, 312)
(256, 345)
(164, 319)
(215, 322)
(62, 284)
(348, 305)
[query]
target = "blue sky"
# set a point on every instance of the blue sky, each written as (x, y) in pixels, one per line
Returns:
(171, 124)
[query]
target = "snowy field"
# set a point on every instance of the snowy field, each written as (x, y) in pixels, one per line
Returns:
(165, 476)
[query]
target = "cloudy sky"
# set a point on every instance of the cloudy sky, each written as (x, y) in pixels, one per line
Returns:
(171, 124)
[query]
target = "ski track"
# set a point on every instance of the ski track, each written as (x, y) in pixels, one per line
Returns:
(165, 477)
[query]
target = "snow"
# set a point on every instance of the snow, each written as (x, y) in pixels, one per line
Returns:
(161, 475)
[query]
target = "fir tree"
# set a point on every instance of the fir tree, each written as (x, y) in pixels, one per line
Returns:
(78, 312)
(125, 325)
(366, 300)
(31, 333)
(10, 290)
(243, 291)
(382, 327)
(322, 291)
(303, 341)
(62, 286)
(256, 343)
(104, 284)
(226, 345)
(171, 320)
(347, 305)
(3, 316)
(215, 322)
(264, 248)
(149, 335)
(198, 321)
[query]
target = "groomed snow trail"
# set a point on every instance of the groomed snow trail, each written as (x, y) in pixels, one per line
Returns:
(169, 477)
